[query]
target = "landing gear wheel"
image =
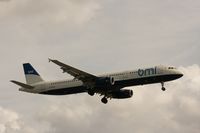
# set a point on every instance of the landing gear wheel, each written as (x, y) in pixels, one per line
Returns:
(91, 92)
(104, 100)
(163, 89)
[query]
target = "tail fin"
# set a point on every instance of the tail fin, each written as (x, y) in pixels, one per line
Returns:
(31, 74)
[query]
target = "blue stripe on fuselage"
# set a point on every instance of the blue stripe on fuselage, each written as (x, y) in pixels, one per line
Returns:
(118, 84)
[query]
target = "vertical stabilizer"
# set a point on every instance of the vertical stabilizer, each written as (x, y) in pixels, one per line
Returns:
(31, 74)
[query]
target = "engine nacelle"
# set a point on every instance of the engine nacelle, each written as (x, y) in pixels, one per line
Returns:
(104, 82)
(122, 94)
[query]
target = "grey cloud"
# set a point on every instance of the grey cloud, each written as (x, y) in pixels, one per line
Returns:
(47, 12)
(150, 110)
(136, 28)
(8, 120)
(98, 37)
(174, 111)
(14, 122)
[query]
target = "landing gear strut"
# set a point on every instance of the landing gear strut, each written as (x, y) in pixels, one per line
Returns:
(104, 100)
(91, 92)
(163, 88)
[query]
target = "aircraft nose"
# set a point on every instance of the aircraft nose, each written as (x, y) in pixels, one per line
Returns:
(180, 74)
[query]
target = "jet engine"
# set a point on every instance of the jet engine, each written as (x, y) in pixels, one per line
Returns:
(122, 94)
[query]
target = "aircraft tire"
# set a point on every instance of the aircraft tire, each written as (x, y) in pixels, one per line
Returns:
(91, 92)
(104, 100)
(163, 89)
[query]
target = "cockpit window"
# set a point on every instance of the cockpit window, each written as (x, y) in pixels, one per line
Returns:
(171, 68)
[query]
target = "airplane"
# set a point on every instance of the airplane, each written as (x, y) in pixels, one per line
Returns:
(107, 85)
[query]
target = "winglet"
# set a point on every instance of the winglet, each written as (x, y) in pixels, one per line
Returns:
(49, 59)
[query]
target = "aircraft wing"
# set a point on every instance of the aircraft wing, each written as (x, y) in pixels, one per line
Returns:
(76, 73)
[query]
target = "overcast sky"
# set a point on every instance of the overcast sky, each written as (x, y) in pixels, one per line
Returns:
(100, 36)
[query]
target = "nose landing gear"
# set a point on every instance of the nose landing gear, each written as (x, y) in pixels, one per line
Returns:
(163, 88)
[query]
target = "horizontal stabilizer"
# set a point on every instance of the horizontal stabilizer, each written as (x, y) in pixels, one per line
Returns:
(22, 84)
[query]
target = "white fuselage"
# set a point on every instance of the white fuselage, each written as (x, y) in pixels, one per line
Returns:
(156, 74)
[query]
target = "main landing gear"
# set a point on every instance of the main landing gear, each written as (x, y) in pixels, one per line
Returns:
(91, 92)
(104, 100)
(163, 88)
